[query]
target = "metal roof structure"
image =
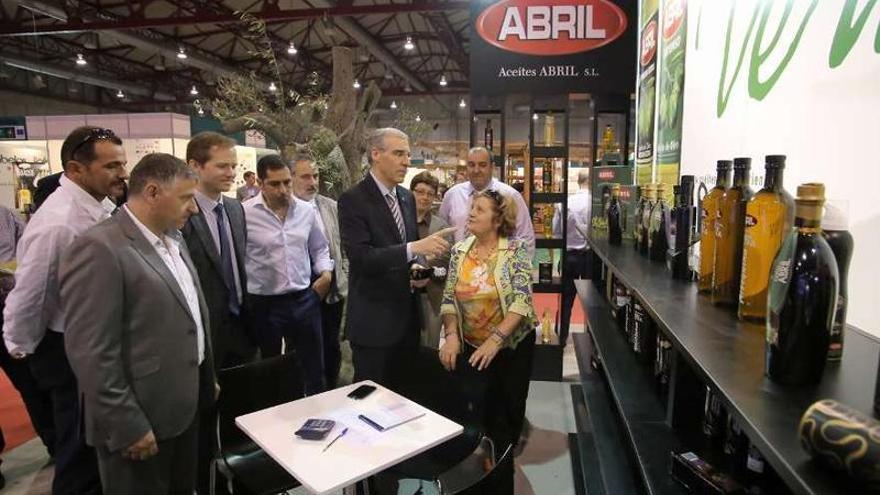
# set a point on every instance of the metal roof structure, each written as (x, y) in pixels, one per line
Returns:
(150, 54)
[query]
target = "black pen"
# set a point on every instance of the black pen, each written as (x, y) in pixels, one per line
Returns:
(341, 434)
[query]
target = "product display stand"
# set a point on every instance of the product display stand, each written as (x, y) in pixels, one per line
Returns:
(711, 349)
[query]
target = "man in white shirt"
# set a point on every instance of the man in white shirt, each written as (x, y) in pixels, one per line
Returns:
(285, 252)
(457, 201)
(94, 168)
(305, 187)
(577, 254)
(138, 335)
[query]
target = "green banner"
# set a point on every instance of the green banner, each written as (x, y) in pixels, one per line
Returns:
(670, 106)
(647, 99)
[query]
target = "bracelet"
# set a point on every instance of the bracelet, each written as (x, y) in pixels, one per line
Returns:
(500, 335)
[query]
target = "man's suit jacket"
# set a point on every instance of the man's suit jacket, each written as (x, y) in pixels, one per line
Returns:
(45, 187)
(206, 258)
(382, 310)
(330, 218)
(130, 337)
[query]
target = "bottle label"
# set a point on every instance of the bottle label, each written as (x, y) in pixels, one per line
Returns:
(780, 278)
(751, 221)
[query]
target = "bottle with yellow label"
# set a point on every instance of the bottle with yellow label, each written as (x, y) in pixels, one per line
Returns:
(769, 217)
(729, 227)
(708, 212)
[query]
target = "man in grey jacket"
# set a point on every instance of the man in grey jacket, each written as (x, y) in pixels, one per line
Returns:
(137, 334)
(305, 187)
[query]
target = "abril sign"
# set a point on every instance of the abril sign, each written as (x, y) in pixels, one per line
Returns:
(553, 46)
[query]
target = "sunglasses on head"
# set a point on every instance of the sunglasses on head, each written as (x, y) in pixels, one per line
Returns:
(495, 195)
(96, 134)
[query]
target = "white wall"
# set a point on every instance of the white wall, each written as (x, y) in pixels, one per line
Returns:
(826, 120)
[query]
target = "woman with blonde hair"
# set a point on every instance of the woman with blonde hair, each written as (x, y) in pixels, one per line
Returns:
(488, 315)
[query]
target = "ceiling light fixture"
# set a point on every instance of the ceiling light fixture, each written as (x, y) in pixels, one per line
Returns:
(272, 86)
(291, 49)
(120, 94)
(80, 60)
(462, 104)
(443, 81)
(181, 54)
(418, 118)
(201, 111)
(194, 91)
(393, 105)
(409, 43)
(357, 84)
(534, 116)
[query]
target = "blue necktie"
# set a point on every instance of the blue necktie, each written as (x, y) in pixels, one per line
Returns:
(226, 260)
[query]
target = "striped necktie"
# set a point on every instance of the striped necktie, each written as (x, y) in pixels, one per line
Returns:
(391, 199)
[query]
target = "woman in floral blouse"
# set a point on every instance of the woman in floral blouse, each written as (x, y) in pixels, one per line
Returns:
(488, 314)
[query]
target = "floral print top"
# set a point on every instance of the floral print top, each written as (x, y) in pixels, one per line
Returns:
(478, 298)
(511, 275)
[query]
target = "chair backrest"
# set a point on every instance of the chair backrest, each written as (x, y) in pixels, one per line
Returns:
(479, 473)
(252, 387)
(457, 395)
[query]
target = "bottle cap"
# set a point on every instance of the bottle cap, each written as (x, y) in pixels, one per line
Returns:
(811, 191)
(836, 215)
(774, 161)
(724, 165)
(742, 163)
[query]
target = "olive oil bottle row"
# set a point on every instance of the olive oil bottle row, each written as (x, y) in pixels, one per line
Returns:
(766, 255)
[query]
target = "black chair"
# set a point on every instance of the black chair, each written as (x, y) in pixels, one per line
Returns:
(459, 396)
(246, 389)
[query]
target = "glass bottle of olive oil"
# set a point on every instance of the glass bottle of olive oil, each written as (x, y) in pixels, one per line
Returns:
(729, 227)
(650, 198)
(708, 214)
(769, 217)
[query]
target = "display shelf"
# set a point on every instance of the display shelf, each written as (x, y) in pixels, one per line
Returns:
(549, 152)
(546, 198)
(642, 414)
(728, 355)
(596, 416)
(550, 243)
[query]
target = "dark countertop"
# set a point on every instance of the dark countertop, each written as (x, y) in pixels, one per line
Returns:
(729, 355)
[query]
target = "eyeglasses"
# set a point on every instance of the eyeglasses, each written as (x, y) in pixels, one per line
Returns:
(96, 134)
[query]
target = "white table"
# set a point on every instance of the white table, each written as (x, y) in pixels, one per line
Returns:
(362, 452)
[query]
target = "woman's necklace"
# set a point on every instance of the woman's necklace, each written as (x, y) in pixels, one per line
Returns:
(482, 254)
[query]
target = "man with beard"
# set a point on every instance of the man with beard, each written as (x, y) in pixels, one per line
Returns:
(94, 168)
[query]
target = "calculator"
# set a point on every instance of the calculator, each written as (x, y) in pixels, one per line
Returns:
(315, 429)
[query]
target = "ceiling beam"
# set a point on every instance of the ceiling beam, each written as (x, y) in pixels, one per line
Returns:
(270, 17)
(360, 34)
(450, 38)
(62, 72)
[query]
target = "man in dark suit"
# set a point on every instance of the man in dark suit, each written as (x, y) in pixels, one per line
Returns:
(380, 237)
(138, 334)
(216, 235)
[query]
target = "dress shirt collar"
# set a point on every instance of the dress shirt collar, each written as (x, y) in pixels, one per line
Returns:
(471, 190)
(206, 203)
(382, 189)
(260, 200)
(154, 240)
(97, 210)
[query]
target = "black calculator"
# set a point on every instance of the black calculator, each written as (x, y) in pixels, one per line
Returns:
(315, 429)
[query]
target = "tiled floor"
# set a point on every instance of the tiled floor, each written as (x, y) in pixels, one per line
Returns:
(543, 467)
